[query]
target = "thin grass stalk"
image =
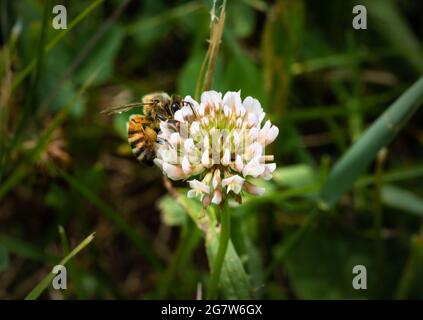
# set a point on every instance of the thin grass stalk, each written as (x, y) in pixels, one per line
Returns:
(43, 284)
(208, 67)
(139, 242)
(217, 26)
(31, 102)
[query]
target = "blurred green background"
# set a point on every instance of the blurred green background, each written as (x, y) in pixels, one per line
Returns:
(318, 79)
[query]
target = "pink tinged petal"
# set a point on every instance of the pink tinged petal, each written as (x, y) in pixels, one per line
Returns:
(227, 111)
(165, 130)
(187, 112)
(189, 145)
(239, 165)
(243, 111)
(253, 168)
(169, 155)
(205, 121)
(233, 183)
(257, 149)
(237, 137)
(261, 116)
(173, 172)
(227, 181)
(239, 122)
(211, 97)
(205, 159)
(266, 125)
(272, 134)
(194, 128)
(186, 166)
(254, 190)
(192, 101)
(206, 141)
(201, 110)
(179, 116)
(216, 179)
(253, 106)
(253, 133)
(175, 138)
(232, 99)
(226, 157)
(269, 169)
(252, 119)
(217, 197)
(263, 132)
(199, 186)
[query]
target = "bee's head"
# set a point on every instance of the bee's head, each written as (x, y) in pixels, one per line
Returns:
(175, 104)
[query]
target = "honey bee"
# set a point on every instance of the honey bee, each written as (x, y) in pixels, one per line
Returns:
(142, 129)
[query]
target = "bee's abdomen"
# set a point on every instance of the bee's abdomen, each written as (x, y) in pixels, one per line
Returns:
(141, 139)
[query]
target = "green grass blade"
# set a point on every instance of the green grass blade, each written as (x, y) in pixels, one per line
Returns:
(43, 284)
(402, 199)
(23, 249)
(392, 25)
(393, 176)
(357, 158)
(23, 74)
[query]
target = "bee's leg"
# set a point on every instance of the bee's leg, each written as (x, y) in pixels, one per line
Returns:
(191, 106)
(161, 141)
(161, 117)
(174, 124)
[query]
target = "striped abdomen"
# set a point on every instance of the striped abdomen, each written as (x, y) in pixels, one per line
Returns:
(142, 138)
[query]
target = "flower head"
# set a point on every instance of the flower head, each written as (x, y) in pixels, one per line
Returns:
(219, 144)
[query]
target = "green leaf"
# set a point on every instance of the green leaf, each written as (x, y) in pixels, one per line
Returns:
(295, 176)
(234, 282)
(172, 214)
(357, 158)
(242, 23)
(411, 281)
(401, 199)
(149, 29)
(103, 54)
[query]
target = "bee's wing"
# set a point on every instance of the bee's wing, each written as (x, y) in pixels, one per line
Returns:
(124, 108)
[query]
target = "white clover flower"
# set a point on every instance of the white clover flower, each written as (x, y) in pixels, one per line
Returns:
(219, 144)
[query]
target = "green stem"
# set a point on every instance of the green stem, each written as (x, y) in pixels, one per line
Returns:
(225, 231)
